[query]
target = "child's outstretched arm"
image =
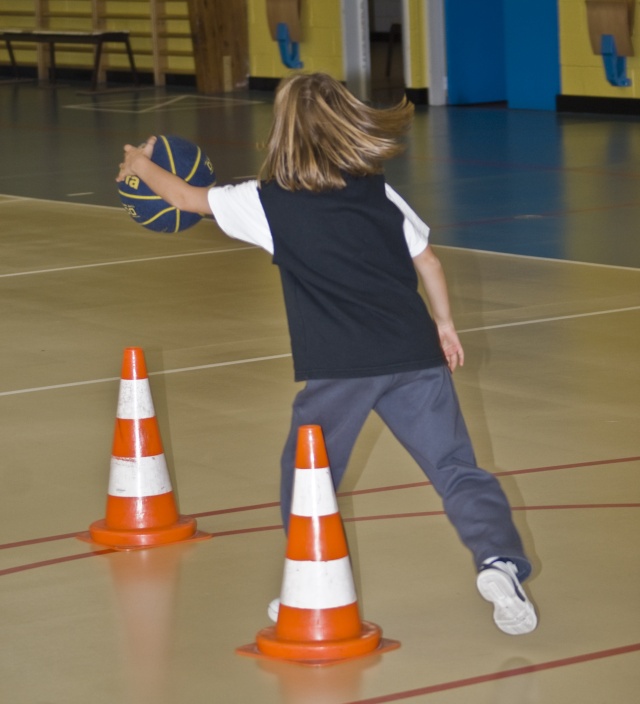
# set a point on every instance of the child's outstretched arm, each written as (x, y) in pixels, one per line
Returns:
(137, 162)
(435, 285)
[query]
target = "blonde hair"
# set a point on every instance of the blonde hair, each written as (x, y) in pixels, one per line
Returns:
(320, 131)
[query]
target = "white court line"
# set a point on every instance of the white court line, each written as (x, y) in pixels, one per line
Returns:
(126, 261)
(68, 203)
(11, 199)
(534, 257)
(232, 363)
(252, 360)
(153, 103)
(552, 260)
(550, 320)
(161, 104)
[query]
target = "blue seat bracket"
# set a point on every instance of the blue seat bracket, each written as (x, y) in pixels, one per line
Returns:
(615, 67)
(289, 51)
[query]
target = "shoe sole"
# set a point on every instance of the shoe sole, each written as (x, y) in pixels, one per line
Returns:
(273, 610)
(512, 615)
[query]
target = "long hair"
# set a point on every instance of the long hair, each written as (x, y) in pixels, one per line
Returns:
(320, 132)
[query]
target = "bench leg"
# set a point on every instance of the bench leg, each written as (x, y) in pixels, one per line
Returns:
(132, 63)
(96, 66)
(12, 58)
(52, 62)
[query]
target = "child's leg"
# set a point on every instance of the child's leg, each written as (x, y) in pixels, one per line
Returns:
(422, 411)
(340, 407)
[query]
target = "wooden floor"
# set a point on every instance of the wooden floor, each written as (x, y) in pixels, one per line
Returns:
(535, 217)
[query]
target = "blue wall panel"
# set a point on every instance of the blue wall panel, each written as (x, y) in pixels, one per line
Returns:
(503, 50)
(475, 51)
(532, 53)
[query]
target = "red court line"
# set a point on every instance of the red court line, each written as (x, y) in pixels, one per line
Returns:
(575, 465)
(242, 531)
(352, 519)
(235, 509)
(505, 674)
(504, 473)
(54, 561)
(37, 541)
(564, 507)
(553, 507)
(426, 514)
(357, 492)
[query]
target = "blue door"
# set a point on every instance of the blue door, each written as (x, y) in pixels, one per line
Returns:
(475, 51)
(503, 50)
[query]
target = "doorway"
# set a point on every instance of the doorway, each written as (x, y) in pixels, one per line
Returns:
(386, 47)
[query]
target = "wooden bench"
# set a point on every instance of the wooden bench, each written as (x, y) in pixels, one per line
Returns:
(44, 36)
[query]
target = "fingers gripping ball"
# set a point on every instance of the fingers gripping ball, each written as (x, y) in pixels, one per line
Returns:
(182, 158)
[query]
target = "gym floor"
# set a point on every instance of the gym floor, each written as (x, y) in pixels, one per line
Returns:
(535, 217)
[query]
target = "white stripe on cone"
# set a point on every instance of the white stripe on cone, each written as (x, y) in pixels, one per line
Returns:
(317, 585)
(134, 400)
(313, 493)
(139, 476)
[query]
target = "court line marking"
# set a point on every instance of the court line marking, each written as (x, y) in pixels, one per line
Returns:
(358, 492)
(54, 561)
(72, 204)
(504, 674)
(253, 360)
(166, 371)
(432, 228)
(551, 319)
(248, 246)
(11, 199)
(534, 216)
(276, 526)
(161, 104)
(126, 261)
(531, 257)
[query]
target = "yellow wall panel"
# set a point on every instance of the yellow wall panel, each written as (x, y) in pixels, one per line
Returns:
(322, 13)
(417, 45)
(574, 35)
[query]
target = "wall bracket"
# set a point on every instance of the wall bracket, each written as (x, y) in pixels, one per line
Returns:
(289, 50)
(610, 24)
(615, 67)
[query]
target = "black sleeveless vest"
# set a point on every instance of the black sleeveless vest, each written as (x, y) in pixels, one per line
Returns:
(350, 287)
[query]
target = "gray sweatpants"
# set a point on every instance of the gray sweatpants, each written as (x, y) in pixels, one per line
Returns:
(421, 409)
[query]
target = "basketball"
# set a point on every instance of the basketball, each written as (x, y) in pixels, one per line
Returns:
(182, 158)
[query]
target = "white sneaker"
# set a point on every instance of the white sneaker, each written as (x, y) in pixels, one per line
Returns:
(273, 610)
(498, 583)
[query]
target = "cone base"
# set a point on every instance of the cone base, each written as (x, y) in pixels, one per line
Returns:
(317, 653)
(184, 529)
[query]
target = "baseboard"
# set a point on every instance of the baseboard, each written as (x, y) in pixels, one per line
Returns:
(610, 106)
(85, 75)
(261, 83)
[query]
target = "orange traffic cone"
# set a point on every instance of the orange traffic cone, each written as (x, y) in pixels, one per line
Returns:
(141, 508)
(318, 618)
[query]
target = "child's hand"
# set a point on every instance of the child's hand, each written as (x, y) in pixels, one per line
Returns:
(451, 346)
(131, 155)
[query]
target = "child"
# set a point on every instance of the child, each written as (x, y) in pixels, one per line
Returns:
(348, 249)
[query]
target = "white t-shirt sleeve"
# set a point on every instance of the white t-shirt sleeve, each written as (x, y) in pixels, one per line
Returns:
(239, 213)
(416, 232)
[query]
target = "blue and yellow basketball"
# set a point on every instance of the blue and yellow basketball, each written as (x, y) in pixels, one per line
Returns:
(182, 158)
